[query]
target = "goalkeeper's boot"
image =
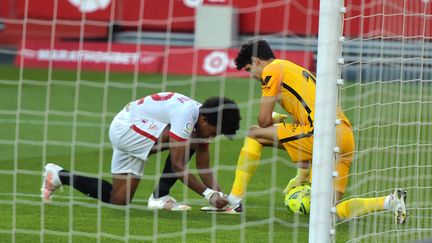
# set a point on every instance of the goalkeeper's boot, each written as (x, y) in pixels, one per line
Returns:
(234, 209)
(397, 203)
(51, 181)
(167, 203)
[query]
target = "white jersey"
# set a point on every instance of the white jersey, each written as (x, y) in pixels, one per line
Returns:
(149, 115)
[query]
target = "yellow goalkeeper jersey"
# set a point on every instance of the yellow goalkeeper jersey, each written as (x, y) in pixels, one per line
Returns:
(295, 87)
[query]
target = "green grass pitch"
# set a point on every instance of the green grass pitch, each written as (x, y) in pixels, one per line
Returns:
(64, 122)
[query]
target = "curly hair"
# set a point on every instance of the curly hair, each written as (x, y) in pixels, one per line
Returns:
(222, 113)
(253, 48)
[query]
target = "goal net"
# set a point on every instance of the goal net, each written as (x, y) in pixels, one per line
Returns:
(68, 67)
(387, 71)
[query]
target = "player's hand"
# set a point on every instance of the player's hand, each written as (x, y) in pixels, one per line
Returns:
(215, 198)
(278, 117)
(218, 201)
(294, 182)
(301, 178)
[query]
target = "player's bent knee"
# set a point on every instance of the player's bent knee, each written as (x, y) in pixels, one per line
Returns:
(119, 201)
(253, 132)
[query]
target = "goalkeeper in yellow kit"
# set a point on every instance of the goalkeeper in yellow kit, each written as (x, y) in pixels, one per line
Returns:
(293, 87)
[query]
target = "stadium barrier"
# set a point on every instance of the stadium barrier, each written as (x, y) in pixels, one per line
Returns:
(143, 58)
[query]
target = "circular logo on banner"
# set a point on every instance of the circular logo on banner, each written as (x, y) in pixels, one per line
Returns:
(216, 62)
(193, 3)
(88, 6)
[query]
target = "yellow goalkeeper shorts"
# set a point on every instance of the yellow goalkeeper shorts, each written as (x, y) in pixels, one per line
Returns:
(298, 141)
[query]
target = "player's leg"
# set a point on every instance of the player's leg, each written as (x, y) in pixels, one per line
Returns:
(346, 144)
(120, 192)
(123, 189)
(126, 168)
(298, 142)
(55, 176)
(360, 206)
(355, 206)
(93, 187)
(248, 159)
(160, 198)
(168, 178)
(123, 163)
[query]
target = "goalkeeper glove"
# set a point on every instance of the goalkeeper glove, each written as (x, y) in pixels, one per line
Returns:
(278, 117)
(301, 178)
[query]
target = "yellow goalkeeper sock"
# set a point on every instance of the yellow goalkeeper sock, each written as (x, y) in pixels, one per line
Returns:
(246, 166)
(359, 206)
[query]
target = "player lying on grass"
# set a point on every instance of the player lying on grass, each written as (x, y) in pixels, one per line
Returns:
(293, 87)
(149, 125)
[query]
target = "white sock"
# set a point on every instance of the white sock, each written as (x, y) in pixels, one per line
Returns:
(233, 200)
(387, 201)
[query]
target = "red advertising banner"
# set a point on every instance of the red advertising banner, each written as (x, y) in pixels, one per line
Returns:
(47, 20)
(270, 16)
(296, 17)
(221, 62)
(143, 58)
(91, 56)
(391, 18)
(65, 9)
(158, 15)
(6, 9)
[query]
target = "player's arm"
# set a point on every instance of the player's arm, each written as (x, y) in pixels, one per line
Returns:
(270, 87)
(267, 105)
(177, 150)
(204, 170)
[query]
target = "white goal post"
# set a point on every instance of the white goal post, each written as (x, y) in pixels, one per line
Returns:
(321, 224)
(379, 73)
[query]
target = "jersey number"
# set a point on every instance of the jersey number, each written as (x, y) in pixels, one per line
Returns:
(156, 97)
(307, 75)
(159, 97)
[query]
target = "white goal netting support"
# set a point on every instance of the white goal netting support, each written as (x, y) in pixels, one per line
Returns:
(387, 61)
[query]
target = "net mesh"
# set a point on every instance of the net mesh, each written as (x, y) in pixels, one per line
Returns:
(68, 67)
(387, 54)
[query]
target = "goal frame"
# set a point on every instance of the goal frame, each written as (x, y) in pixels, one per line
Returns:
(321, 223)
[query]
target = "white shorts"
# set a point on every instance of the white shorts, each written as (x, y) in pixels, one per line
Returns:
(132, 144)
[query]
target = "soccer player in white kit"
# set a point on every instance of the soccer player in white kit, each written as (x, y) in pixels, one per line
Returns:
(149, 125)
